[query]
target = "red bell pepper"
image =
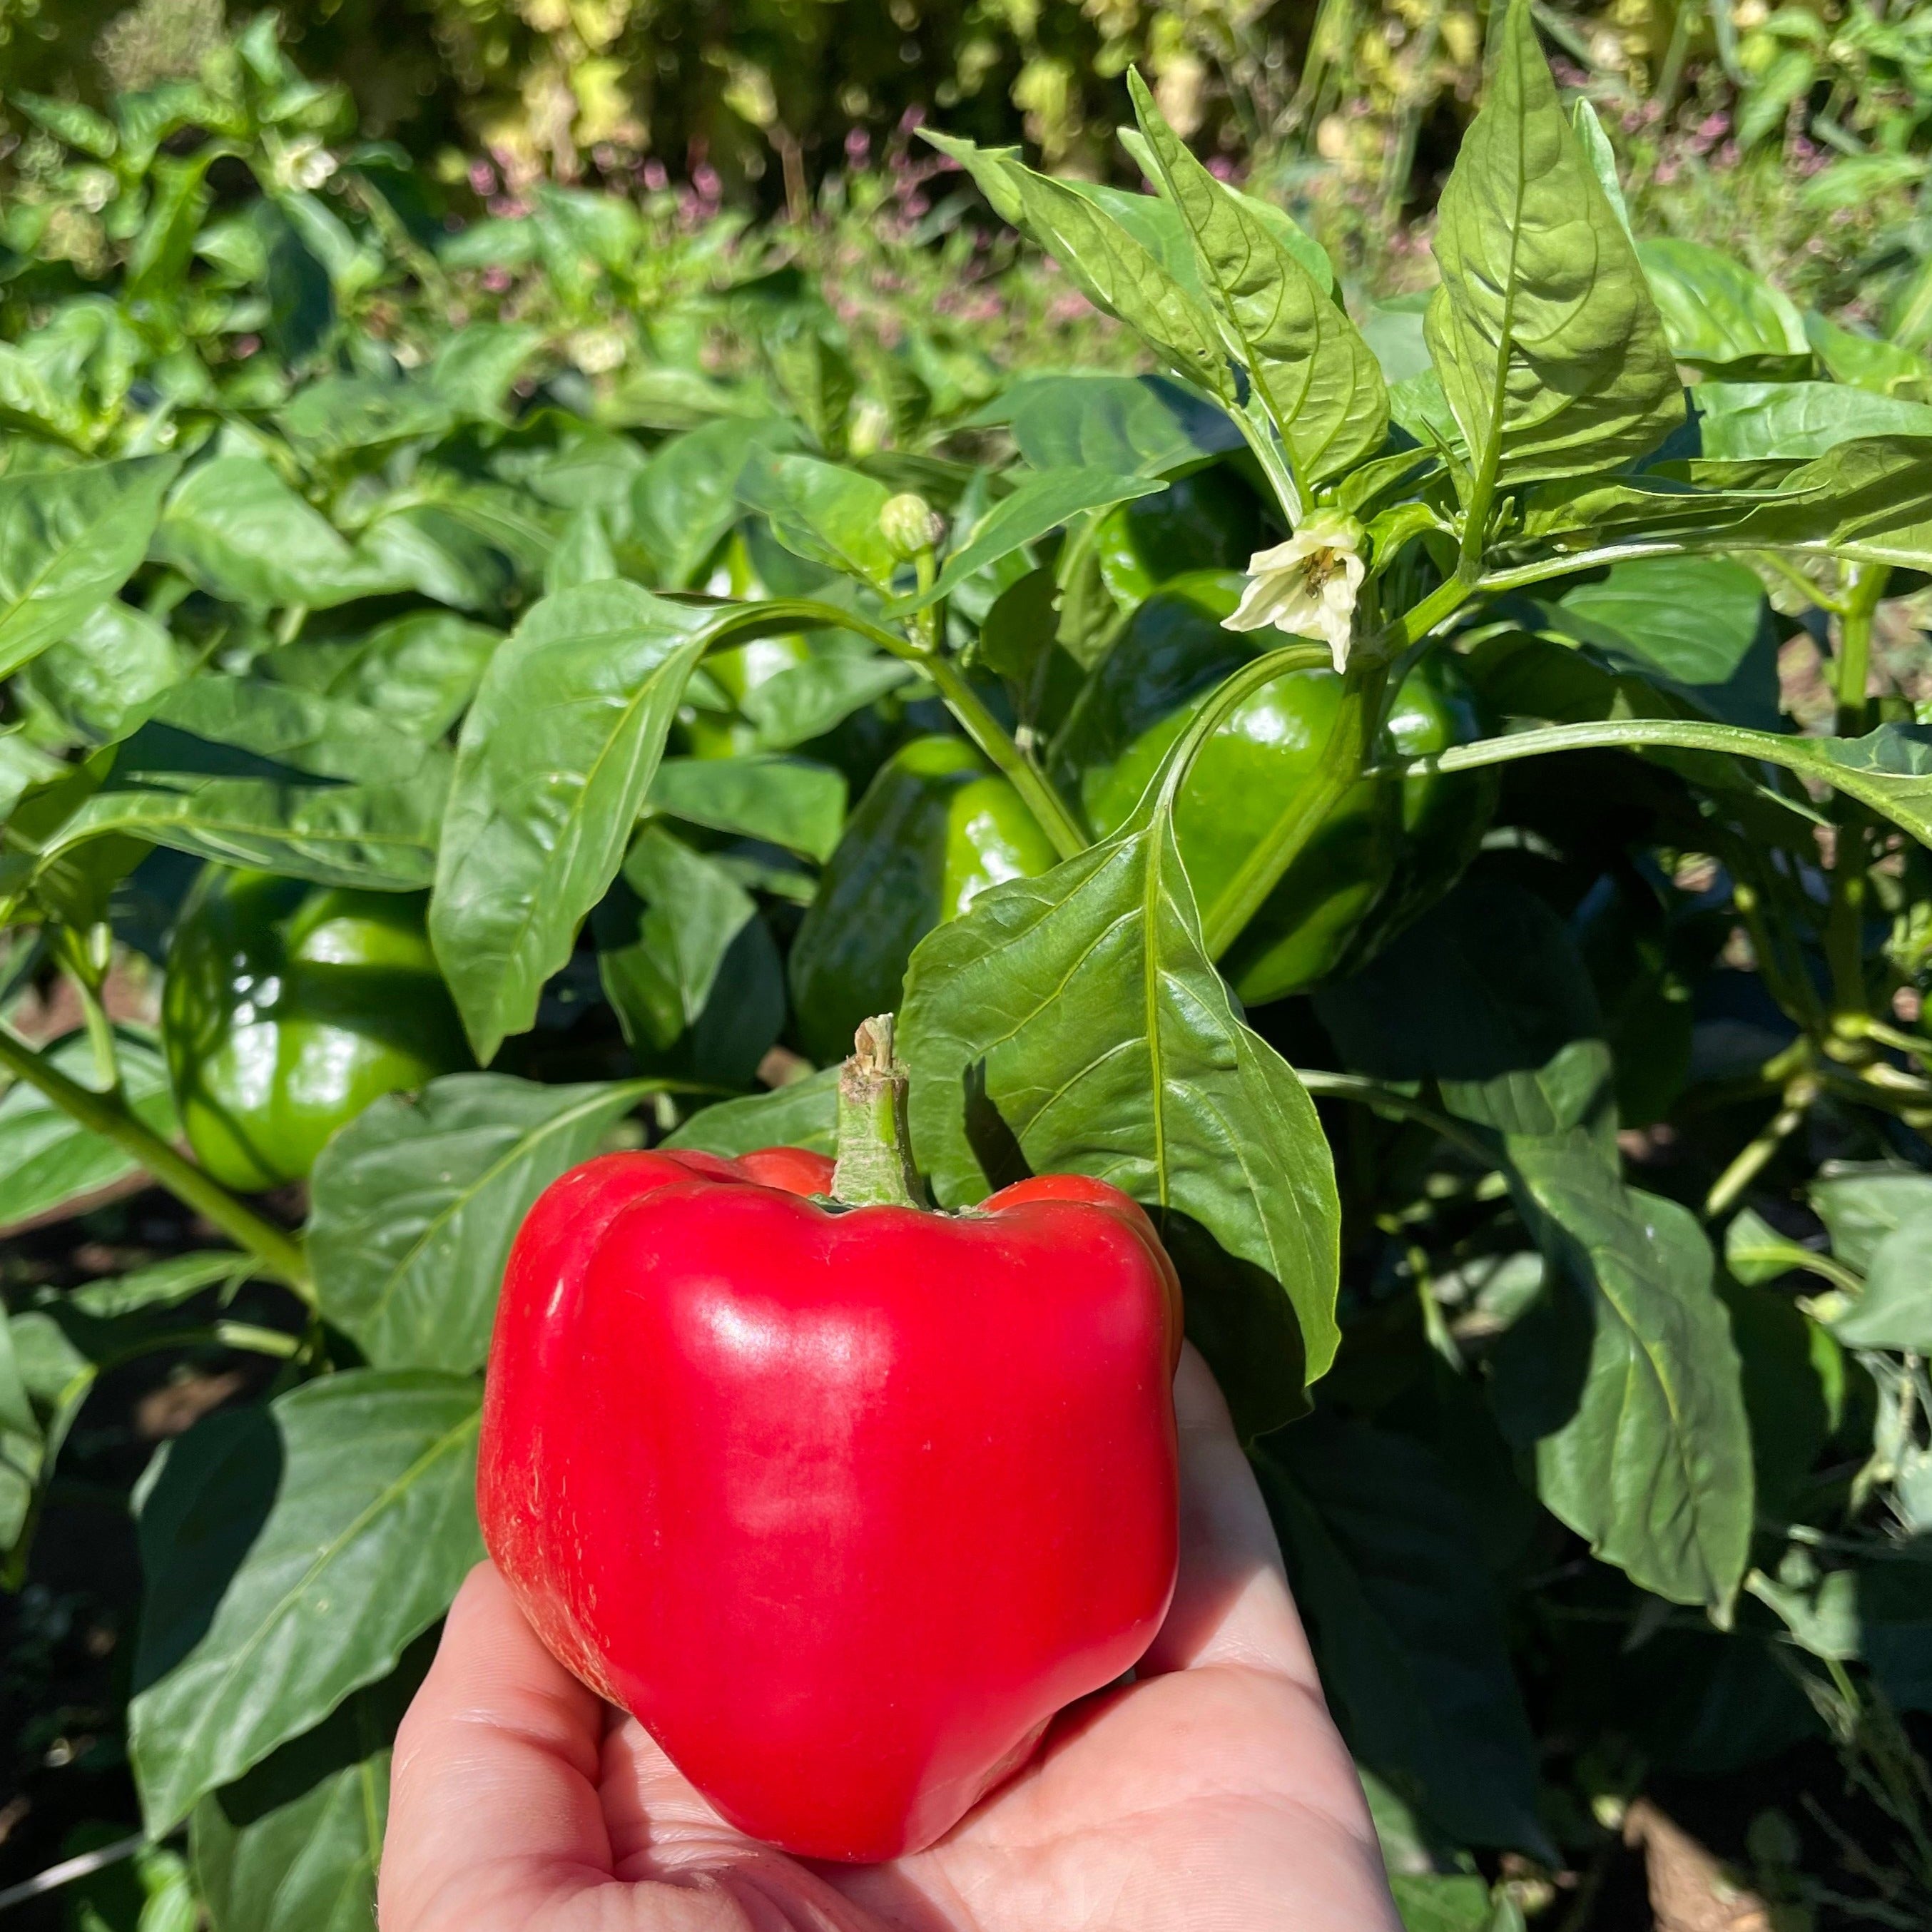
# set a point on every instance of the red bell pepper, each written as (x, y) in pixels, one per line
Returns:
(842, 1498)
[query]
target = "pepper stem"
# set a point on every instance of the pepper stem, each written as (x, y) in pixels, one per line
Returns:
(874, 1167)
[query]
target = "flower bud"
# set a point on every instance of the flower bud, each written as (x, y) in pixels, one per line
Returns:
(910, 526)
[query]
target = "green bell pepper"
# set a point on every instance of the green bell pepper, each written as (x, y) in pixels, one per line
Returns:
(1382, 844)
(288, 1008)
(1209, 520)
(936, 827)
(1443, 815)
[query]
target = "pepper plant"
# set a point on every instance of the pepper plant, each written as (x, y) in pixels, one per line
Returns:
(1355, 816)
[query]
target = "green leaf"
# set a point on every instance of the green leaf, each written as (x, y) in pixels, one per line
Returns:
(99, 680)
(583, 554)
(291, 1554)
(56, 1377)
(1749, 421)
(1146, 216)
(1861, 1206)
(474, 368)
(340, 415)
(555, 759)
(1870, 499)
(23, 767)
(1868, 362)
(161, 1285)
(815, 376)
(686, 497)
(784, 801)
(1755, 1252)
(234, 529)
(803, 1114)
(1543, 332)
(1040, 504)
(665, 943)
(49, 1165)
(420, 671)
(150, 1891)
(383, 837)
(1113, 270)
(821, 512)
(1889, 769)
(1793, 73)
(1716, 312)
(1449, 1902)
(68, 120)
(416, 1203)
(1895, 1310)
(68, 541)
(22, 1447)
(1603, 160)
(1876, 1612)
(807, 701)
(293, 1846)
(1489, 997)
(1623, 1379)
(1692, 618)
(1127, 425)
(329, 737)
(440, 552)
(1318, 380)
(1407, 1626)
(1073, 1024)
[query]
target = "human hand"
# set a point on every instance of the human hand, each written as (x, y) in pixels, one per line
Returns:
(1211, 1795)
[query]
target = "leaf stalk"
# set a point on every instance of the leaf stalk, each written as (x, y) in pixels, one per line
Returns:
(279, 1254)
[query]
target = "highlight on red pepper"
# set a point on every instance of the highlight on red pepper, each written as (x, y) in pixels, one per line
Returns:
(843, 1497)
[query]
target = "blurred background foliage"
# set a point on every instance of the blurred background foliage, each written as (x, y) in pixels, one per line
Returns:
(1728, 112)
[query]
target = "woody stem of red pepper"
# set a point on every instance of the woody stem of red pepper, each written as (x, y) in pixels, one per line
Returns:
(874, 1166)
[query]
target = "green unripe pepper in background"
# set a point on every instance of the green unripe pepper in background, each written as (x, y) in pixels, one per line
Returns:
(936, 827)
(1210, 520)
(737, 672)
(740, 670)
(1382, 842)
(288, 1008)
(1444, 814)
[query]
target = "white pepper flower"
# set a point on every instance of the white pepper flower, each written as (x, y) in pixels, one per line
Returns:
(1307, 586)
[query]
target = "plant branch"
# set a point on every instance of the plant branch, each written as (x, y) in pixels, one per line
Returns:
(1813, 593)
(87, 982)
(996, 742)
(1756, 1155)
(280, 1255)
(1367, 1093)
(1421, 618)
(965, 703)
(1567, 564)
(1864, 587)
(1687, 734)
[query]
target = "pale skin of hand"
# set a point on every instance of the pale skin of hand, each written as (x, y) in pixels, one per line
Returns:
(1213, 1794)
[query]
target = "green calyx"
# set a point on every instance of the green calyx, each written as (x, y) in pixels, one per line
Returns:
(874, 1166)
